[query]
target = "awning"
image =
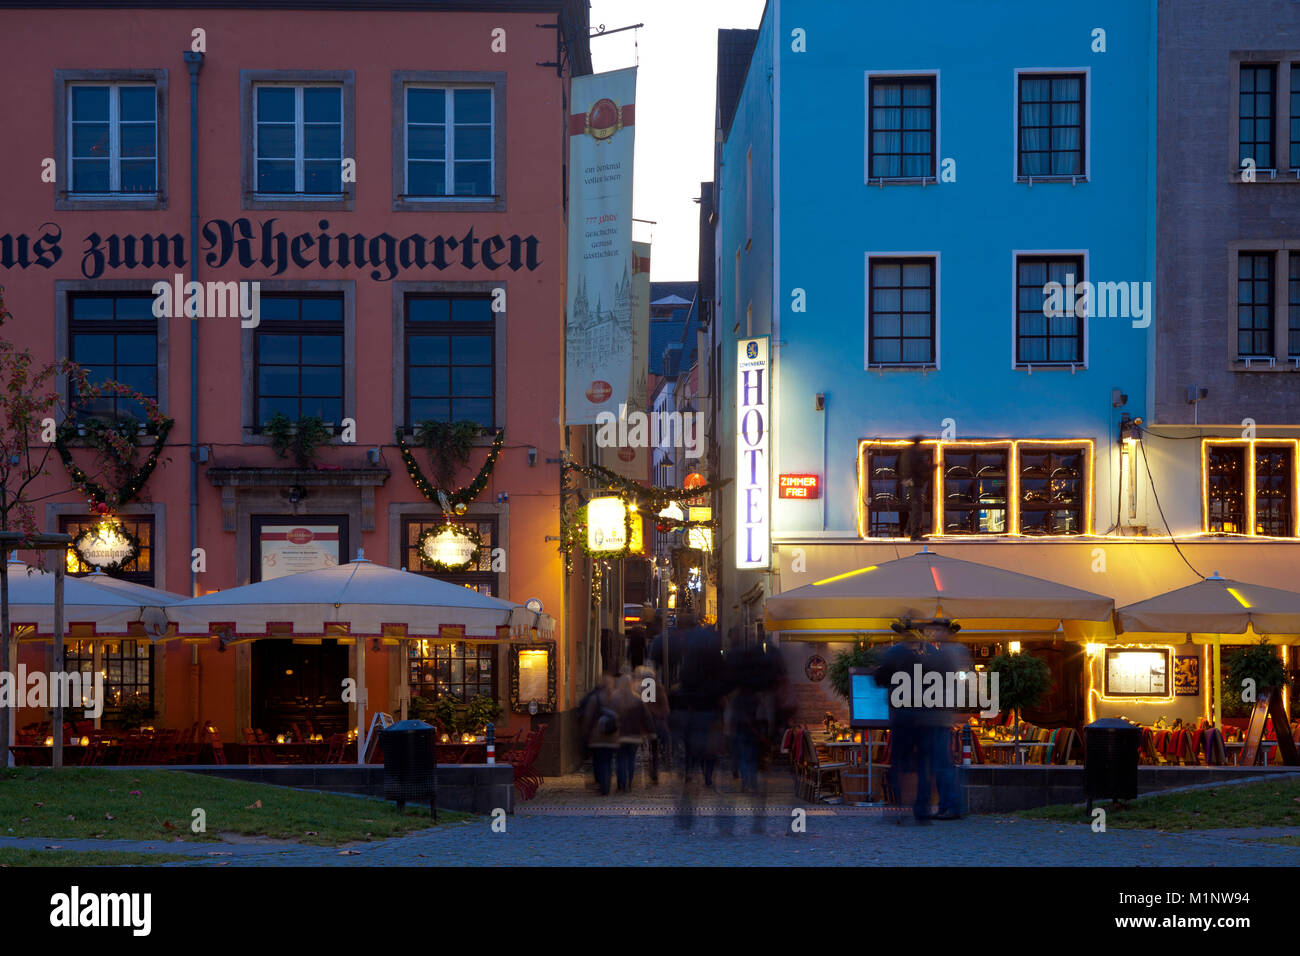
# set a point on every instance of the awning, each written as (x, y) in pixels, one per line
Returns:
(107, 609)
(359, 597)
(1214, 606)
(926, 585)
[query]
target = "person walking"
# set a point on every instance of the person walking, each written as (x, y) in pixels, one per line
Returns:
(953, 658)
(658, 738)
(914, 476)
(904, 728)
(635, 724)
(600, 729)
(636, 647)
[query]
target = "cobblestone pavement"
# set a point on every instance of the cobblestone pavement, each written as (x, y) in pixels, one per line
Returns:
(567, 824)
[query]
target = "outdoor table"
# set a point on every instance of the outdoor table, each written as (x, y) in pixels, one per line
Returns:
(1008, 744)
(299, 751)
(1235, 747)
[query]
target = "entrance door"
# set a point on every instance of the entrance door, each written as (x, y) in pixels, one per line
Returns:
(293, 683)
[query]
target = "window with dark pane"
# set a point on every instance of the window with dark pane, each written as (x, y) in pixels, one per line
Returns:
(1051, 130)
(1255, 115)
(139, 570)
(113, 138)
(1043, 339)
(1052, 487)
(298, 358)
(114, 338)
(1295, 116)
(901, 313)
(975, 490)
(887, 508)
(1293, 305)
(450, 365)
(449, 142)
(480, 578)
(902, 127)
(298, 139)
(461, 670)
(1225, 482)
(1255, 304)
(126, 665)
(1274, 481)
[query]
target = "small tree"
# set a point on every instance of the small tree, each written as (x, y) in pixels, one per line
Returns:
(860, 655)
(1258, 663)
(1023, 681)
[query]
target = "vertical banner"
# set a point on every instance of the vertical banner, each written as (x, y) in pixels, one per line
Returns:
(753, 478)
(630, 457)
(598, 326)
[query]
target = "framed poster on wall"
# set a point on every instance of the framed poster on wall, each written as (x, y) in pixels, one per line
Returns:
(1138, 672)
(1187, 675)
(288, 545)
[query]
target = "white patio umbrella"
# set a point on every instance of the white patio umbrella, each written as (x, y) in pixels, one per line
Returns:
(362, 595)
(154, 601)
(110, 609)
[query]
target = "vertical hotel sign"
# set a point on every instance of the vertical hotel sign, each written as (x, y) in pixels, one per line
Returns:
(753, 480)
(599, 344)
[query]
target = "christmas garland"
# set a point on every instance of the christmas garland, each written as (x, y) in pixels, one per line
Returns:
(573, 535)
(97, 437)
(462, 529)
(448, 500)
(646, 495)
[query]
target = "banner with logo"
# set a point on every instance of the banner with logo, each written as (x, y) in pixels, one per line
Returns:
(290, 548)
(598, 334)
(631, 458)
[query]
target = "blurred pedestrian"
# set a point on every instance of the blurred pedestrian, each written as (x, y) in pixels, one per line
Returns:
(644, 680)
(636, 647)
(634, 726)
(904, 731)
(914, 476)
(949, 658)
(600, 729)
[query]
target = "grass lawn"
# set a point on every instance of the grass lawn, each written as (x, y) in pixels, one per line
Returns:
(94, 803)
(1263, 803)
(10, 856)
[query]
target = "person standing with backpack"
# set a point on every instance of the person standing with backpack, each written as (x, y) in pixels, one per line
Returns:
(600, 729)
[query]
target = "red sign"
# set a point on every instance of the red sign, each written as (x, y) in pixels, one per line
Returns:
(799, 486)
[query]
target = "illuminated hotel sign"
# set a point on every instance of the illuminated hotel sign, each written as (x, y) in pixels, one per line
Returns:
(799, 486)
(753, 484)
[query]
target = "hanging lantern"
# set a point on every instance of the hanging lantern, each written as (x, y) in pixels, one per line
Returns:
(461, 508)
(106, 546)
(700, 539)
(450, 548)
(607, 525)
(637, 544)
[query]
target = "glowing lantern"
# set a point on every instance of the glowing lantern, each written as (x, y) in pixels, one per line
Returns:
(701, 539)
(449, 548)
(606, 525)
(106, 546)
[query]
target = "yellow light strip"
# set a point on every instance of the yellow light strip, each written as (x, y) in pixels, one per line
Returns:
(1237, 594)
(846, 574)
(1252, 490)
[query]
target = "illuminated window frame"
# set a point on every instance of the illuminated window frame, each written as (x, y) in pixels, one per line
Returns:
(1013, 483)
(1249, 445)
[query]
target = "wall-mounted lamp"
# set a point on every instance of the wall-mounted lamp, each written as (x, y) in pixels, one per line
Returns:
(819, 403)
(532, 457)
(372, 456)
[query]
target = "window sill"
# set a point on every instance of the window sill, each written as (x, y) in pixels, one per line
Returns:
(1264, 364)
(905, 366)
(1263, 176)
(74, 201)
(902, 181)
(1072, 180)
(449, 203)
(1031, 367)
(338, 201)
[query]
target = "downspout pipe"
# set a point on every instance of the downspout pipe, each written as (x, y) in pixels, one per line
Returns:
(194, 61)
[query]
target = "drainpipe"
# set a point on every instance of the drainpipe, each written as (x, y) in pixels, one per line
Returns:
(194, 61)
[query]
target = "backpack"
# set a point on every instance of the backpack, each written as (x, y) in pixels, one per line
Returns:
(607, 722)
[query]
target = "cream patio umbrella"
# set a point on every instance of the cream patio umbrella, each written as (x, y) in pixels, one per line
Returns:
(362, 597)
(1214, 606)
(929, 584)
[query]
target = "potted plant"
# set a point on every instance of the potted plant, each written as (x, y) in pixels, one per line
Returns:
(1259, 664)
(447, 714)
(482, 710)
(135, 712)
(448, 445)
(861, 655)
(1023, 681)
(301, 438)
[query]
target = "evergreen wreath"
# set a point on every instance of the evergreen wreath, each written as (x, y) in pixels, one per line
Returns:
(463, 529)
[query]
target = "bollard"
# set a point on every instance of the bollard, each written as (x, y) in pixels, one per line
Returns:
(491, 746)
(965, 745)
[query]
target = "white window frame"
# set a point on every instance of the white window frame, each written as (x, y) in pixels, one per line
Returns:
(1086, 176)
(1030, 367)
(449, 141)
(867, 178)
(299, 138)
(114, 138)
(932, 366)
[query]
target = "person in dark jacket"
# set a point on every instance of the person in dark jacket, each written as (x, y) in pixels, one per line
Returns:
(914, 476)
(635, 725)
(904, 729)
(600, 729)
(636, 646)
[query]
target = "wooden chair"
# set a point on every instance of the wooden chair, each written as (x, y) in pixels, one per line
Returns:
(337, 744)
(821, 778)
(527, 780)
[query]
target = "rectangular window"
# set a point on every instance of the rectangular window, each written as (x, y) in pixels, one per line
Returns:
(1256, 115)
(1255, 304)
(461, 670)
(298, 358)
(1293, 305)
(1051, 124)
(1273, 485)
(449, 141)
(450, 367)
(975, 490)
(886, 504)
(1225, 483)
(298, 132)
(1042, 339)
(1051, 489)
(901, 127)
(480, 578)
(139, 570)
(901, 320)
(127, 666)
(1295, 116)
(115, 338)
(113, 138)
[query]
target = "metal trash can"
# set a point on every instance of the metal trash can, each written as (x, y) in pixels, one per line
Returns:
(1110, 760)
(410, 764)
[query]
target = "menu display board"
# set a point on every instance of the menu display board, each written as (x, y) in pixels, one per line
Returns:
(1137, 673)
(290, 548)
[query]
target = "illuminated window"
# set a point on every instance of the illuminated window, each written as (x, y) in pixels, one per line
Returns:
(1225, 482)
(1273, 484)
(140, 570)
(886, 503)
(127, 667)
(1051, 489)
(480, 578)
(974, 490)
(1137, 673)
(461, 670)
